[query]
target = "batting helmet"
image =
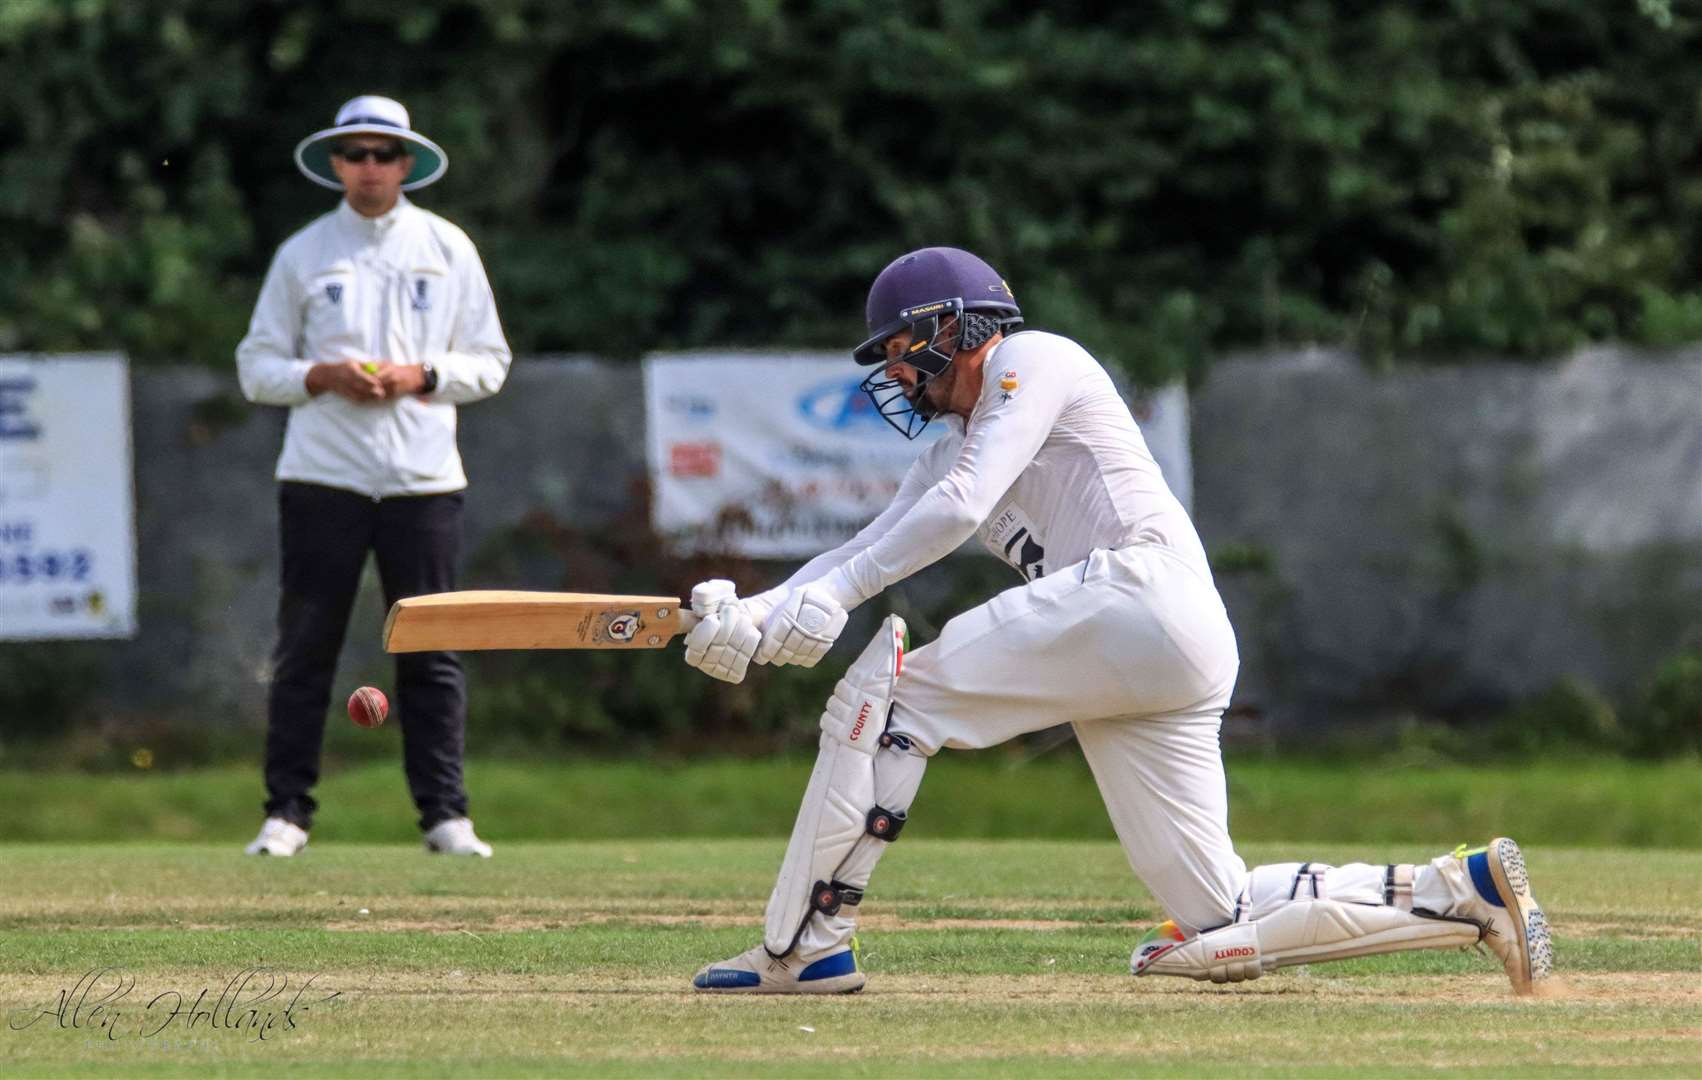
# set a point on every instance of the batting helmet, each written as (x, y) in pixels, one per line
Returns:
(917, 291)
(949, 300)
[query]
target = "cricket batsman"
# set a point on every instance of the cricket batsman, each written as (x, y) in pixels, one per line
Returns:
(1117, 630)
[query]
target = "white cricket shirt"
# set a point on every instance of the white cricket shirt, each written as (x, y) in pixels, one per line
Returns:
(406, 287)
(1049, 466)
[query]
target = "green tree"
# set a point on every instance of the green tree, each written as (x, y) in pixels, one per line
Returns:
(1164, 181)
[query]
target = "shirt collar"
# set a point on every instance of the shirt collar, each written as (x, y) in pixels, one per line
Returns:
(373, 228)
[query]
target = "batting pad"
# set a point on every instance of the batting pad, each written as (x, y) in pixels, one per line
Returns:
(1302, 913)
(834, 815)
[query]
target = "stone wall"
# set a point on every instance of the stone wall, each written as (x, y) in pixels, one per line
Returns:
(1445, 540)
(1439, 540)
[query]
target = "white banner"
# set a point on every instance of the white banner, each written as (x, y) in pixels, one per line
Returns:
(67, 519)
(782, 456)
(770, 456)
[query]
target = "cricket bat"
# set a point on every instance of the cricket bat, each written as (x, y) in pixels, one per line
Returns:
(506, 619)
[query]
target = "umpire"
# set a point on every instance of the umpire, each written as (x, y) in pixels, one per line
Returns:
(374, 323)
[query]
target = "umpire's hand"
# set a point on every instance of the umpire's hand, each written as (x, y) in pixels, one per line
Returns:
(348, 378)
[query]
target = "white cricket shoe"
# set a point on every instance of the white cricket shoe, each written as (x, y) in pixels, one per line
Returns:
(278, 837)
(832, 971)
(1492, 888)
(456, 837)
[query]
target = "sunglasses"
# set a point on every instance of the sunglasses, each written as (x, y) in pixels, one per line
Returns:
(357, 154)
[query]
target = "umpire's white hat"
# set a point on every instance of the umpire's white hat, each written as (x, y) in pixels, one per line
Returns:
(370, 114)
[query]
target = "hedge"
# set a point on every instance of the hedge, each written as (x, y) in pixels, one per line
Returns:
(1423, 182)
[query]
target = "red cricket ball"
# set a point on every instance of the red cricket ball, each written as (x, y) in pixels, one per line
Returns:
(368, 706)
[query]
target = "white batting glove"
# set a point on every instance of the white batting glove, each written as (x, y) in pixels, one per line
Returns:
(762, 605)
(708, 597)
(802, 628)
(722, 643)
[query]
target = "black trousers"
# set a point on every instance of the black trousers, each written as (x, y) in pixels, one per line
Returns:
(326, 534)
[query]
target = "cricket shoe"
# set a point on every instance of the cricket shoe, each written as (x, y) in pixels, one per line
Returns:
(831, 971)
(1491, 887)
(278, 837)
(456, 837)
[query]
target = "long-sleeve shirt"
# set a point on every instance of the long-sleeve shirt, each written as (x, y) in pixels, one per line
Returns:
(407, 287)
(1049, 466)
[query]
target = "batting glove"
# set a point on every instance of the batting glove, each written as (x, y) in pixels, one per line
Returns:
(708, 597)
(802, 628)
(724, 640)
(762, 605)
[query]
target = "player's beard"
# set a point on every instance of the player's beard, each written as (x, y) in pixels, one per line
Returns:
(930, 402)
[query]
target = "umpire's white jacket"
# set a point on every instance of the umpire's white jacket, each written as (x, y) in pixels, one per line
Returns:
(406, 287)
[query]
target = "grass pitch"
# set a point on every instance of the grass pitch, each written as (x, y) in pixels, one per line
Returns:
(1003, 958)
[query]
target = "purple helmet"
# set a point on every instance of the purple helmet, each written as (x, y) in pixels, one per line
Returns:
(919, 292)
(925, 286)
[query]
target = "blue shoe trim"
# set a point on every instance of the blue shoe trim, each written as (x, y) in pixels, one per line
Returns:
(726, 978)
(840, 963)
(1478, 864)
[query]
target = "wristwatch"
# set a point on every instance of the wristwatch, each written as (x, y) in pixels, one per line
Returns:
(430, 374)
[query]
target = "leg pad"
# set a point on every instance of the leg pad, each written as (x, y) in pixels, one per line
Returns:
(1302, 932)
(842, 822)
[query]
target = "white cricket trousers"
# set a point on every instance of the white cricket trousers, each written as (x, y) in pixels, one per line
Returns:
(1133, 648)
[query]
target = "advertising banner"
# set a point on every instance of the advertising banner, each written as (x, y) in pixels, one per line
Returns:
(768, 456)
(783, 456)
(67, 517)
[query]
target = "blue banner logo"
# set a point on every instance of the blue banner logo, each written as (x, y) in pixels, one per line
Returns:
(840, 405)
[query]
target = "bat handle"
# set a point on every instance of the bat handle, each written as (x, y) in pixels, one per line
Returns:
(688, 620)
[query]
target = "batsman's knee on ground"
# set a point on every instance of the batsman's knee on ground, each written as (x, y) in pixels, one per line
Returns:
(1301, 913)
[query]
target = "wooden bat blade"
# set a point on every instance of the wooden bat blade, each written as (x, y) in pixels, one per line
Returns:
(509, 619)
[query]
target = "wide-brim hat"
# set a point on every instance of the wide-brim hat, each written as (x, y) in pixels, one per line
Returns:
(370, 114)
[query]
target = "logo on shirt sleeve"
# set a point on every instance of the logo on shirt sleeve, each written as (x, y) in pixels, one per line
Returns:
(1007, 386)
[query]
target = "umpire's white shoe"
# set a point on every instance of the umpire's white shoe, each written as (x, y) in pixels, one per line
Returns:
(1492, 888)
(278, 837)
(456, 837)
(832, 971)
